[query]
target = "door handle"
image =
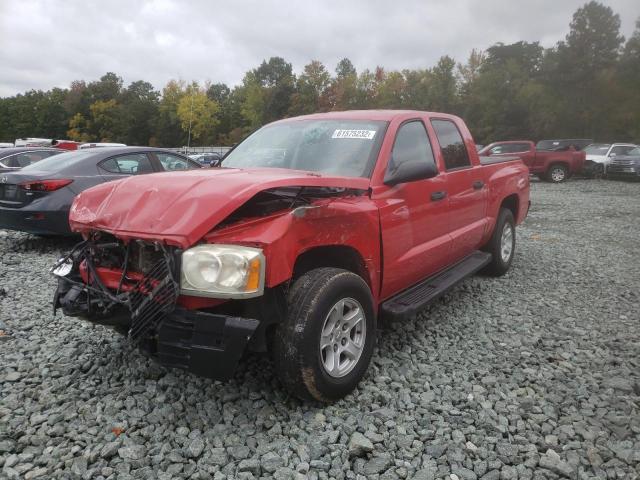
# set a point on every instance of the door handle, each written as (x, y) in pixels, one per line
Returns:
(478, 184)
(438, 195)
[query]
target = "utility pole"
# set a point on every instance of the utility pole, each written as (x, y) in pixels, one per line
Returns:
(190, 120)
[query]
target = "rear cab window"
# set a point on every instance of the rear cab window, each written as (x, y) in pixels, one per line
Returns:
(454, 151)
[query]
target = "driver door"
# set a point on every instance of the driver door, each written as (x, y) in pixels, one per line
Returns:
(413, 216)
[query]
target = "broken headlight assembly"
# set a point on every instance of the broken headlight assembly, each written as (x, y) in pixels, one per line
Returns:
(222, 271)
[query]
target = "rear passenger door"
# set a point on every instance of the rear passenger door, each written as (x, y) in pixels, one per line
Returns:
(466, 190)
(413, 215)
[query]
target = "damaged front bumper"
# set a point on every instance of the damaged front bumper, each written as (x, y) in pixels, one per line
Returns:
(144, 307)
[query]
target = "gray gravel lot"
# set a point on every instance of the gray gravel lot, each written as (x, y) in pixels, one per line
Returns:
(533, 375)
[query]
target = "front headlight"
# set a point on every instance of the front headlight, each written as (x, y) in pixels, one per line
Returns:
(222, 271)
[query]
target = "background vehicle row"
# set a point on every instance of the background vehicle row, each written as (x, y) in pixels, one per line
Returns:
(37, 198)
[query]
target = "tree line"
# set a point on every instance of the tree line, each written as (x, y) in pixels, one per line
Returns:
(586, 86)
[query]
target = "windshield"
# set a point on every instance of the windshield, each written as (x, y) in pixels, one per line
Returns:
(337, 147)
(597, 149)
(58, 162)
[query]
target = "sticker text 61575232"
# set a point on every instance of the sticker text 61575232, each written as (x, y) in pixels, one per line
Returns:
(361, 134)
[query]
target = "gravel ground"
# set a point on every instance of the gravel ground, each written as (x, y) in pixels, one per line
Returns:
(533, 375)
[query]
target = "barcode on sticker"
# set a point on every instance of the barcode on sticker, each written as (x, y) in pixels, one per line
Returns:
(362, 134)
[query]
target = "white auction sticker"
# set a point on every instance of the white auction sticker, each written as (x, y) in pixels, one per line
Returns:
(362, 134)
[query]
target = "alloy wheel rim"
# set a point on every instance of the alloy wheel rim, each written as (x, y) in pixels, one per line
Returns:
(557, 174)
(342, 337)
(506, 242)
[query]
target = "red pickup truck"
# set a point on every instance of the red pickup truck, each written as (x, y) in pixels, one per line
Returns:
(313, 229)
(552, 165)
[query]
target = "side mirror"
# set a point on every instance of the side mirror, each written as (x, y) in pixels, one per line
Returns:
(409, 172)
(612, 154)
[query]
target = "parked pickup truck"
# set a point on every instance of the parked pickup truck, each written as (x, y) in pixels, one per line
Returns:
(551, 165)
(313, 229)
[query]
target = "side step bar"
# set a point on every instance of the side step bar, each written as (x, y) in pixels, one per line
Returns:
(407, 303)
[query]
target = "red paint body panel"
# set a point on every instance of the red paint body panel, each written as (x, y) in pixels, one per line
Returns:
(350, 221)
(539, 161)
(401, 235)
(181, 208)
(66, 145)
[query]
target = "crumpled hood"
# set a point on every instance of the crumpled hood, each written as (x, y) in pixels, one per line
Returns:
(181, 207)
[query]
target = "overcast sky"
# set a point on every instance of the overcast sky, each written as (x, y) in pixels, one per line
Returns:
(47, 43)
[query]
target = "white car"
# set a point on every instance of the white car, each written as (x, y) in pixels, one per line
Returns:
(599, 156)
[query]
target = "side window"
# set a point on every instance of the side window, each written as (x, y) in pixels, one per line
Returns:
(411, 145)
(520, 148)
(133, 164)
(452, 146)
(11, 161)
(172, 162)
(27, 158)
(498, 149)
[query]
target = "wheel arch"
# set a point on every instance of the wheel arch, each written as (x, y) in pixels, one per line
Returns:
(563, 163)
(337, 256)
(512, 202)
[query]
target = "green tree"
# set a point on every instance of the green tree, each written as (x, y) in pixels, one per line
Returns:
(627, 111)
(499, 102)
(168, 131)
(268, 91)
(197, 113)
(104, 120)
(140, 103)
(580, 70)
(341, 92)
(107, 88)
(310, 88)
(444, 85)
(78, 128)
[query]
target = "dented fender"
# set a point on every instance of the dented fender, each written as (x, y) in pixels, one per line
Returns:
(346, 221)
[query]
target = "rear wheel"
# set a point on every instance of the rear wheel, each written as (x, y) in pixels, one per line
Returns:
(502, 245)
(323, 347)
(557, 173)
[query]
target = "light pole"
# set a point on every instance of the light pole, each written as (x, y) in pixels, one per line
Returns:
(190, 119)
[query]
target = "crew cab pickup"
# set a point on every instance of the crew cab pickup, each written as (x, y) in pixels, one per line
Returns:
(312, 230)
(551, 165)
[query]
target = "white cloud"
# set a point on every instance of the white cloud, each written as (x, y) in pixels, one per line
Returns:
(45, 43)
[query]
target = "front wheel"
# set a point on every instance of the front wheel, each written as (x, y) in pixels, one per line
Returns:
(502, 245)
(324, 345)
(557, 173)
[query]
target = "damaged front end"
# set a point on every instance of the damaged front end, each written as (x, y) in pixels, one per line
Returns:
(134, 287)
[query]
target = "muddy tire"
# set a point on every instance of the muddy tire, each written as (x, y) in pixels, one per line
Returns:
(557, 173)
(502, 245)
(323, 347)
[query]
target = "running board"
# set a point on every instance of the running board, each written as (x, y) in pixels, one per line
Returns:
(407, 303)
